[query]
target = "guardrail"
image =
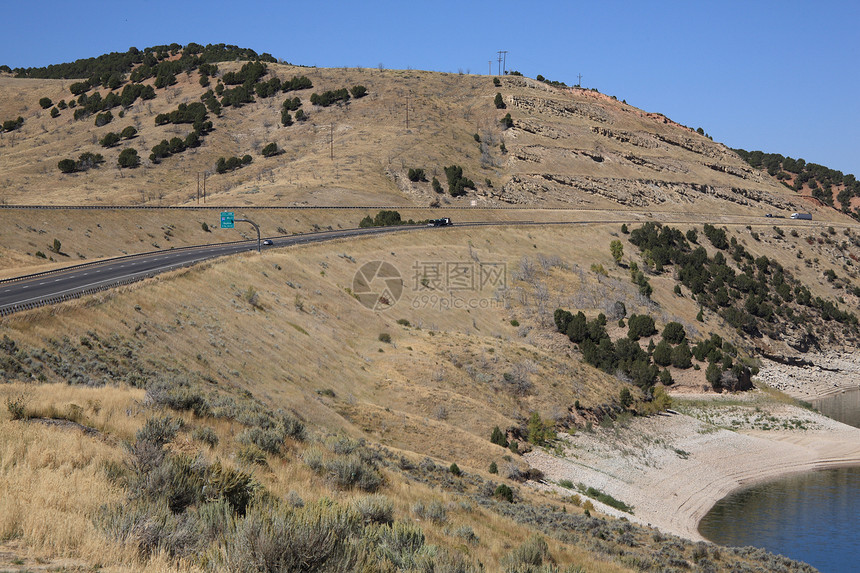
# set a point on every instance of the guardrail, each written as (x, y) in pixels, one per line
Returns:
(19, 307)
(112, 259)
(299, 239)
(297, 207)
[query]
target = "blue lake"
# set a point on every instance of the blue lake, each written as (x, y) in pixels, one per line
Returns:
(813, 517)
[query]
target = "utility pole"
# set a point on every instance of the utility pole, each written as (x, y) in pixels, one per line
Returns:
(504, 62)
(579, 80)
(204, 187)
(198, 187)
(500, 62)
(490, 68)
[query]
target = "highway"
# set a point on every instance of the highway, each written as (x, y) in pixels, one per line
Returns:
(51, 287)
(30, 291)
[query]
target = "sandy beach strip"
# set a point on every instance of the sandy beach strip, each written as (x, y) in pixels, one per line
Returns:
(673, 468)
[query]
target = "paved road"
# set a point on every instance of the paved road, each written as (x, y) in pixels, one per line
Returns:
(30, 291)
(55, 286)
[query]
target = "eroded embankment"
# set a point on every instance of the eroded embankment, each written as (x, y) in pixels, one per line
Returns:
(673, 468)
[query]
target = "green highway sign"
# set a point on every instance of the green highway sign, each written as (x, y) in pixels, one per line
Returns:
(226, 219)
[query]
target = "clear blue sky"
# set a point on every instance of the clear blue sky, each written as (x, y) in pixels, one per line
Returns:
(777, 76)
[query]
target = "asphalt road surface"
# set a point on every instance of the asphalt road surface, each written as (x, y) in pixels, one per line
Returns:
(56, 286)
(52, 287)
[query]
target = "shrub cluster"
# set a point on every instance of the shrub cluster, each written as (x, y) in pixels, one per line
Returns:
(111, 138)
(820, 179)
(330, 97)
(128, 158)
(457, 183)
(250, 73)
(625, 354)
(86, 161)
(271, 150)
(231, 164)
(235, 97)
(384, 219)
(498, 437)
(291, 104)
(12, 124)
(346, 464)
(193, 113)
(95, 103)
(757, 296)
(297, 83)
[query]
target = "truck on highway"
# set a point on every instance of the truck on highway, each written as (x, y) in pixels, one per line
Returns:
(443, 222)
(804, 216)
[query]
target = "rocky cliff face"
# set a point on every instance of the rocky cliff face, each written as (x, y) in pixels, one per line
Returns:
(580, 148)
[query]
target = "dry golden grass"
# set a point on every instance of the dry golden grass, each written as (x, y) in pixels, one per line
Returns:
(360, 153)
(90, 235)
(436, 390)
(303, 342)
(53, 481)
(441, 374)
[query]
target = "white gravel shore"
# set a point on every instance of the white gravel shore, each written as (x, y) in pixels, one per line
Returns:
(673, 468)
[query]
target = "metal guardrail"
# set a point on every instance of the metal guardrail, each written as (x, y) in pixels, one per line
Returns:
(19, 307)
(294, 207)
(120, 258)
(301, 238)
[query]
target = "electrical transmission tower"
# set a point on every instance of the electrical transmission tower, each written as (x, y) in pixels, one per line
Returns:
(503, 55)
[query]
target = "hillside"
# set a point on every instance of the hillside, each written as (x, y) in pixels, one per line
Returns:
(233, 346)
(556, 393)
(564, 147)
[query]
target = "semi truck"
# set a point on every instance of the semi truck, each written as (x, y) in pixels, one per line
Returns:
(805, 216)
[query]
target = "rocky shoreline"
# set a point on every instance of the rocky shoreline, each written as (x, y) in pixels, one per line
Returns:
(821, 375)
(673, 468)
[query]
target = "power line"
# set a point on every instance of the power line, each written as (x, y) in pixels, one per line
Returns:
(503, 56)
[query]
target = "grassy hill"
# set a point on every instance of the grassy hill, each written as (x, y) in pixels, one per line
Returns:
(564, 147)
(261, 409)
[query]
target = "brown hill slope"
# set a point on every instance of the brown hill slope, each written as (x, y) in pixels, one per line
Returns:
(567, 147)
(220, 343)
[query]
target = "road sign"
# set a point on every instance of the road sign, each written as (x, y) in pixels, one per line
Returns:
(226, 219)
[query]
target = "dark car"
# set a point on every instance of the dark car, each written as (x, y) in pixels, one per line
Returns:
(268, 242)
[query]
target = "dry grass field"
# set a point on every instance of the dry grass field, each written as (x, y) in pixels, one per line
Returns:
(567, 147)
(338, 402)
(285, 331)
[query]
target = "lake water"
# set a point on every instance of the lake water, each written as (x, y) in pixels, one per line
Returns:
(813, 517)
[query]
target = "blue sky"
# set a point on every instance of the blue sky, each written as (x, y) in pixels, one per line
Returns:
(777, 76)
